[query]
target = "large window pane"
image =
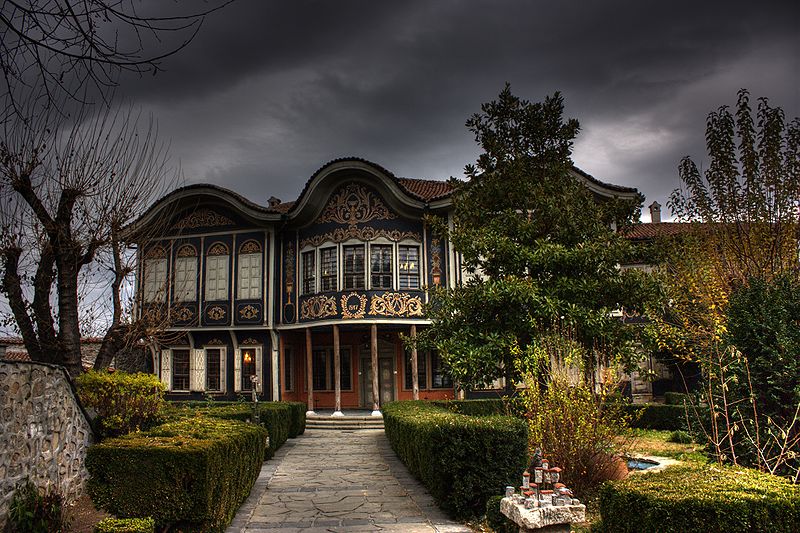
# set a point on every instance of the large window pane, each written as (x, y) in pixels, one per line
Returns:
(248, 367)
(249, 276)
(319, 360)
(155, 278)
(421, 371)
(380, 266)
(440, 379)
(309, 272)
(185, 279)
(409, 267)
(327, 258)
(180, 370)
(354, 267)
(213, 366)
(217, 277)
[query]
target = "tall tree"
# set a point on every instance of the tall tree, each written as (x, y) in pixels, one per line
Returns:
(67, 191)
(542, 250)
(741, 245)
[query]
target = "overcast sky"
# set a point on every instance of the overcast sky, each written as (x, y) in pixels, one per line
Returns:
(270, 91)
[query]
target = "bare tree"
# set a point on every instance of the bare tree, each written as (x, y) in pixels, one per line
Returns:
(54, 48)
(67, 191)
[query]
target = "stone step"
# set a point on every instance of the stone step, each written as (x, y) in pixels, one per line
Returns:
(344, 422)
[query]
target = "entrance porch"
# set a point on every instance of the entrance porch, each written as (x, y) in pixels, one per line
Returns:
(341, 367)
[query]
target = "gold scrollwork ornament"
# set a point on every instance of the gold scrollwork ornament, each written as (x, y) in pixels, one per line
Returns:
(318, 307)
(216, 313)
(395, 304)
(248, 312)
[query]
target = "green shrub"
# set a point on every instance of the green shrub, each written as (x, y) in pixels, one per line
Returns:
(496, 520)
(706, 498)
(194, 471)
(35, 511)
(680, 437)
(297, 422)
(123, 402)
(657, 416)
(274, 416)
(462, 460)
(126, 525)
(676, 398)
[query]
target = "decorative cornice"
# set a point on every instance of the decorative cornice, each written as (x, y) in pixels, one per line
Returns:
(215, 342)
(318, 307)
(354, 204)
(363, 234)
(203, 218)
(250, 341)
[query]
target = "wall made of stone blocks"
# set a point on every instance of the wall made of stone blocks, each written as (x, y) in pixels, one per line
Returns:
(44, 433)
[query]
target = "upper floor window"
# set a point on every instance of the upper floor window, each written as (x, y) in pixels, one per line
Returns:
(186, 274)
(328, 268)
(155, 276)
(380, 266)
(409, 267)
(354, 267)
(214, 374)
(217, 261)
(309, 273)
(249, 278)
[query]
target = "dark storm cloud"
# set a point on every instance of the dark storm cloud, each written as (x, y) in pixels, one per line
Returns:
(269, 91)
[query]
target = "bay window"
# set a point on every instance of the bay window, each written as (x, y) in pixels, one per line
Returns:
(409, 267)
(354, 267)
(380, 266)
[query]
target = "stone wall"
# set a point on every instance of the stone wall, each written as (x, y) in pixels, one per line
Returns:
(44, 433)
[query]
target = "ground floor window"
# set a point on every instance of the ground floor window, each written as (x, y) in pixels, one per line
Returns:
(440, 378)
(248, 367)
(421, 370)
(180, 370)
(323, 369)
(214, 369)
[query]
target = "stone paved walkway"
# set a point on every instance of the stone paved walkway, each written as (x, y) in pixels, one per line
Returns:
(339, 480)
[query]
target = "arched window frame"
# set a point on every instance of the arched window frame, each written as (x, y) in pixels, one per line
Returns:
(154, 284)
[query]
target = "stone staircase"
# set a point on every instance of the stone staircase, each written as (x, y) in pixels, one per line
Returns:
(348, 422)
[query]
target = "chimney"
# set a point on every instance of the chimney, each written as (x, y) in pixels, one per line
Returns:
(273, 201)
(655, 212)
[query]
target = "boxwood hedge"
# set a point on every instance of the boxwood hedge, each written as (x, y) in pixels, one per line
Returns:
(462, 460)
(706, 498)
(657, 416)
(297, 422)
(193, 472)
(125, 525)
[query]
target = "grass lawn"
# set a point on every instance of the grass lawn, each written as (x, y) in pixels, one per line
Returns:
(656, 442)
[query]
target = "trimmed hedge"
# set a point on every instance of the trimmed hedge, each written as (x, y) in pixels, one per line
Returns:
(496, 520)
(279, 418)
(297, 422)
(706, 498)
(123, 402)
(462, 460)
(125, 525)
(676, 398)
(482, 407)
(194, 472)
(657, 416)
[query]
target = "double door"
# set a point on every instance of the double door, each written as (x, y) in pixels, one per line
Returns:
(386, 374)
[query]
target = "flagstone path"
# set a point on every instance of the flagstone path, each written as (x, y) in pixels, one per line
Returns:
(339, 480)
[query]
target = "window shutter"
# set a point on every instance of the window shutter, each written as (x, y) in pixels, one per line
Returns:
(223, 375)
(259, 357)
(197, 371)
(166, 369)
(255, 276)
(237, 370)
(222, 277)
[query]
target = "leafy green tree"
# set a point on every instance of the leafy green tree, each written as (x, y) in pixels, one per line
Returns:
(541, 246)
(731, 284)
